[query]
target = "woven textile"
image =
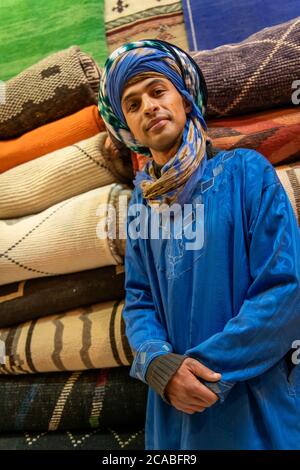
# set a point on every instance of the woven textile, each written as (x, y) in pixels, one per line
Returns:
(50, 137)
(98, 439)
(25, 300)
(87, 338)
(133, 20)
(275, 134)
(289, 176)
(57, 86)
(38, 184)
(72, 400)
(66, 237)
(31, 30)
(253, 75)
(211, 23)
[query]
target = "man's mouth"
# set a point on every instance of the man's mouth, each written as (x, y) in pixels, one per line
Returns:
(156, 124)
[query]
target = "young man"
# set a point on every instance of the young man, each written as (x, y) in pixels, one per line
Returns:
(212, 320)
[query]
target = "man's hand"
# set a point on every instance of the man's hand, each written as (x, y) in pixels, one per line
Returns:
(186, 393)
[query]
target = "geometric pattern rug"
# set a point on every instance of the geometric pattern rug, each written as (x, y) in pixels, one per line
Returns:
(131, 20)
(254, 74)
(98, 439)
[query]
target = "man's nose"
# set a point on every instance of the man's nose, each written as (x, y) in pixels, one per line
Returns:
(150, 105)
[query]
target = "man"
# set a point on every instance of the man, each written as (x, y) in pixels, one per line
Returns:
(213, 323)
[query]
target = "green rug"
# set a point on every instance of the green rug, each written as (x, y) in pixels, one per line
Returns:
(33, 29)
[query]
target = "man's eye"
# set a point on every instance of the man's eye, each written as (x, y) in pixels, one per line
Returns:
(132, 106)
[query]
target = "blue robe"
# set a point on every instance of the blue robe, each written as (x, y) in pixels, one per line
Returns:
(233, 303)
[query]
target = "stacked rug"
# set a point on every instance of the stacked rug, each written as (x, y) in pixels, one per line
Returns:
(45, 402)
(212, 23)
(97, 439)
(254, 75)
(133, 20)
(89, 337)
(63, 206)
(275, 134)
(67, 237)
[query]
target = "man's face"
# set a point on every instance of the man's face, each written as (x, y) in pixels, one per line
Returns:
(155, 113)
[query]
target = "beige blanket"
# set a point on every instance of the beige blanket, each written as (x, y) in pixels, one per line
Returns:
(64, 238)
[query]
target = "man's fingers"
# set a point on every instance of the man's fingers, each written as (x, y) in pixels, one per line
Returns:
(202, 371)
(189, 409)
(194, 405)
(204, 393)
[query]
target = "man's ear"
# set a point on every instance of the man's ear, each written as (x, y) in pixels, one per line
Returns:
(187, 106)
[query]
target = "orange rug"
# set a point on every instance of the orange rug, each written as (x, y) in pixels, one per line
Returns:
(50, 137)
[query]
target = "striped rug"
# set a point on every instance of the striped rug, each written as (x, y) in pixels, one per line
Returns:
(60, 401)
(87, 338)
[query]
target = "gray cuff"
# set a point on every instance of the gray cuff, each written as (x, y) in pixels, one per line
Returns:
(161, 370)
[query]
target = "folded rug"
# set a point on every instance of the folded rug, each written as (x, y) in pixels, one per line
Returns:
(83, 232)
(275, 134)
(133, 21)
(55, 87)
(72, 400)
(31, 30)
(86, 338)
(50, 137)
(98, 439)
(38, 184)
(213, 23)
(25, 300)
(289, 176)
(255, 74)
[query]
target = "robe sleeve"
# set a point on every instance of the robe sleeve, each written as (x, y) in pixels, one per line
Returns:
(145, 332)
(268, 321)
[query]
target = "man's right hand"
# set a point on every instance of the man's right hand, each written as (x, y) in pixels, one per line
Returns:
(186, 393)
